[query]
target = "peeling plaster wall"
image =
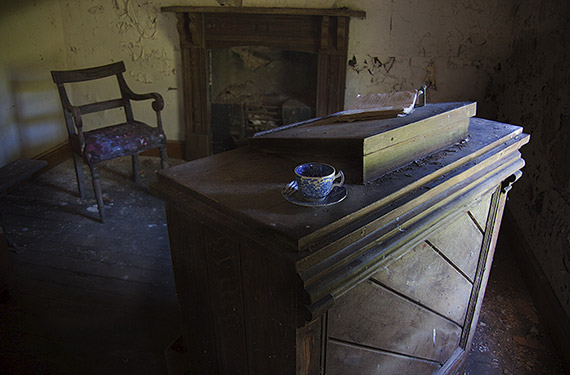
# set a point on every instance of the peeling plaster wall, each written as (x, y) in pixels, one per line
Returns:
(32, 42)
(454, 47)
(533, 89)
(99, 32)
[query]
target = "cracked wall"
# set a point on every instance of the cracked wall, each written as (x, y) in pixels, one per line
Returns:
(533, 89)
(124, 30)
(454, 47)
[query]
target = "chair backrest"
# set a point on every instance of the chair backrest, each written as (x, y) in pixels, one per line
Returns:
(81, 75)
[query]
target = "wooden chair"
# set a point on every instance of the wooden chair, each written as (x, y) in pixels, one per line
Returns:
(128, 138)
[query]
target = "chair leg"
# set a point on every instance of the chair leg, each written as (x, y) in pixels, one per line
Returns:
(163, 157)
(79, 175)
(136, 169)
(97, 189)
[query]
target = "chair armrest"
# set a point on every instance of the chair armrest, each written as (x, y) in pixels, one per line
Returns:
(158, 103)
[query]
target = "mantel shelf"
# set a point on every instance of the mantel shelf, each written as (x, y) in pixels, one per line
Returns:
(337, 12)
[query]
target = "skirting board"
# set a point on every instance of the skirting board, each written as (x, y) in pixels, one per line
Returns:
(62, 151)
(55, 155)
(549, 308)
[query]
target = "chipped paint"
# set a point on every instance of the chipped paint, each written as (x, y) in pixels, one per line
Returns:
(133, 15)
(533, 91)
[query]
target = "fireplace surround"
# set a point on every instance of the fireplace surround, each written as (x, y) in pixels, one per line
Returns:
(323, 32)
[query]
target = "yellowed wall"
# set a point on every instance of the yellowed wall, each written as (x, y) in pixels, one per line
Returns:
(454, 46)
(134, 31)
(32, 43)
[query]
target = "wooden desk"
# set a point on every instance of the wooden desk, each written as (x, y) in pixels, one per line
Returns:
(388, 281)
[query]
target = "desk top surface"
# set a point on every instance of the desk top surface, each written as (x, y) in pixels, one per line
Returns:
(246, 185)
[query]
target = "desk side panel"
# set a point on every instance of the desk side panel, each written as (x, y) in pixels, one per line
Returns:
(191, 278)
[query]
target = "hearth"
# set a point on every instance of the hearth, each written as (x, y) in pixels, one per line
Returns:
(255, 88)
(321, 33)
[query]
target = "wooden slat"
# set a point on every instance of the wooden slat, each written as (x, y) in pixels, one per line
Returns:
(268, 10)
(224, 273)
(101, 106)
(18, 171)
(78, 75)
(425, 277)
(191, 277)
(269, 305)
(378, 134)
(345, 359)
(309, 348)
(362, 258)
(493, 225)
(401, 326)
(461, 243)
(389, 158)
(454, 365)
(480, 211)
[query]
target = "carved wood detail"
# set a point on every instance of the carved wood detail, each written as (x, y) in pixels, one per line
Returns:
(323, 32)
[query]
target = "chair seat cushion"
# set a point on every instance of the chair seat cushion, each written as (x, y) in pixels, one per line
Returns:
(120, 140)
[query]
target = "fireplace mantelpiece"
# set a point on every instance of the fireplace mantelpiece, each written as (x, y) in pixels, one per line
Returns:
(320, 31)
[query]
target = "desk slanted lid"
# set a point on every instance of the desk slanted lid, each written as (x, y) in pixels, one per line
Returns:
(366, 147)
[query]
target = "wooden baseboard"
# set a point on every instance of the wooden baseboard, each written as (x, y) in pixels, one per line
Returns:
(175, 149)
(61, 152)
(55, 155)
(549, 308)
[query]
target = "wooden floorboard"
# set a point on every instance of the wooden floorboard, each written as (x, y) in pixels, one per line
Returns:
(86, 297)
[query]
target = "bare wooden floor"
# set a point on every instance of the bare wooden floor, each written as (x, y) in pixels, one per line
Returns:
(91, 298)
(88, 298)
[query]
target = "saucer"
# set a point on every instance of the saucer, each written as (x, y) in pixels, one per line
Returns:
(292, 194)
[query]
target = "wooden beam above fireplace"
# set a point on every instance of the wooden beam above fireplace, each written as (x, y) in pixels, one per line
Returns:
(255, 10)
(323, 32)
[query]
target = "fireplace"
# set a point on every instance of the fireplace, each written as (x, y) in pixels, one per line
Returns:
(256, 88)
(207, 31)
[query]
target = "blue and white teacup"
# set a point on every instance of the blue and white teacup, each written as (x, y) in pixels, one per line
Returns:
(316, 180)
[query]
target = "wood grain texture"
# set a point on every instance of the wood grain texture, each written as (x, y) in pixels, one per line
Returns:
(270, 305)
(231, 189)
(18, 171)
(387, 159)
(226, 298)
(492, 227)
(311, 302)
(309, 348)
(401, 326)
(381, 144)
(425, 277)
(204, 28)
(191, 278)
(461, 243)
(266, 10)
(454, 364)
(480, 211)
(345, 359)
(331, 83)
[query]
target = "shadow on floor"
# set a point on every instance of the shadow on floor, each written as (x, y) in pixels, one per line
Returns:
(91, 298)
(510, 338)
(86, 297)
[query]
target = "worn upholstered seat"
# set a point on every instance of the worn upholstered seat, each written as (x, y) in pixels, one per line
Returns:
(128, 138)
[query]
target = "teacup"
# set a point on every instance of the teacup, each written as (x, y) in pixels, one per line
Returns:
(316, 180)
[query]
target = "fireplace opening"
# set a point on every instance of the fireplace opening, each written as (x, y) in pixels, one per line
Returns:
(255, 88)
